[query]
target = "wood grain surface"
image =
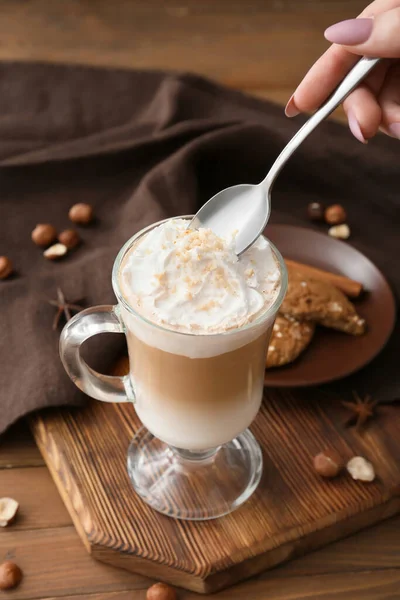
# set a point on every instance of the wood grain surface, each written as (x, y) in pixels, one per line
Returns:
(252, 45)
(55, 562)
(18, 449)
(292, 512)
(41, 506)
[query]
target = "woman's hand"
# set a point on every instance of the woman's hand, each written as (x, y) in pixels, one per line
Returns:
(374, 104)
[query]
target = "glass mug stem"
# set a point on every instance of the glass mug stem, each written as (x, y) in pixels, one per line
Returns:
(86, 324)
(190, 455)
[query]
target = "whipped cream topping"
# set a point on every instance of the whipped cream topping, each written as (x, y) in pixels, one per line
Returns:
(192, 281)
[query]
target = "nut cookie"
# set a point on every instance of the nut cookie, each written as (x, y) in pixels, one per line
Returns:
(288, 340)
(310, 299)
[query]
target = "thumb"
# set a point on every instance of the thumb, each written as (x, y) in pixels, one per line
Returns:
(378, 37)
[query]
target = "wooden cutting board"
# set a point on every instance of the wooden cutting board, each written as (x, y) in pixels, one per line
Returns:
(292, 512)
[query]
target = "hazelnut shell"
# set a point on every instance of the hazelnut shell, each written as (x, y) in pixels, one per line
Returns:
(6, 267)
(81, 213)
(69, 238)
(315, 211)
(335, 214)
(44, 234)
(10, 575)
(161, 591)
(328, 463)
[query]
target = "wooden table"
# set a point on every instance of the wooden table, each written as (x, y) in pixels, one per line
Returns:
(263, 47)
(45, 544)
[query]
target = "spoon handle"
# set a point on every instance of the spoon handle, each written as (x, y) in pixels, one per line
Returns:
(352, 79)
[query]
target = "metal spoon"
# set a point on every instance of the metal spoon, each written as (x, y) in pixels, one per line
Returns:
(246, 208)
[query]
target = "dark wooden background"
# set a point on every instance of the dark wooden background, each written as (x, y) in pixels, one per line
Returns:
(260, 46)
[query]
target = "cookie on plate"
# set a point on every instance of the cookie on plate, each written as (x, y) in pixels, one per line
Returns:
(310, 299)
(288, 340)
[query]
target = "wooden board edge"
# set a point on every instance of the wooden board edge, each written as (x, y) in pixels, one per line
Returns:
(296, 548)
(45, 442)
(148, 568)
(255, 565)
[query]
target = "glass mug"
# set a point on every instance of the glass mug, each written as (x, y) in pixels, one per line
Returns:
(196, 395)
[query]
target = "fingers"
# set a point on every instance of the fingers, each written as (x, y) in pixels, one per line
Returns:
(363, 113)
(362, 107)
(330, 69)
(375, 105)
(320, 81)
(389, 99)
(370, 37)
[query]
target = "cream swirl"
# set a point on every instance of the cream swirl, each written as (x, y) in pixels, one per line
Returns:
(192, 281)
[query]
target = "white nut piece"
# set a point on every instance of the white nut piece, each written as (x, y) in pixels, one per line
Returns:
(359, 468)
(341, 232)
(56, 251)
(8, 510)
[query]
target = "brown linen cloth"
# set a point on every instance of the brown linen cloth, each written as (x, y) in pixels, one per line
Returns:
(141, 146)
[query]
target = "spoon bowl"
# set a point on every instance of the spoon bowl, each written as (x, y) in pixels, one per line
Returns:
(244, 209)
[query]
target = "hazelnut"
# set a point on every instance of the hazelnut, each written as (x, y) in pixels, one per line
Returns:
(315, 211)
(10, 575)
(81, 213)
(55, 252)
(328, 463)
(359, 468)
(6, 267)
(161, 591)
(44, 234)
(69, 238)
(8, 511)
(335, 214)
(340, 232)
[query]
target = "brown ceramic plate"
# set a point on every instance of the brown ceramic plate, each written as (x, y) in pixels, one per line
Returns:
(332, 355)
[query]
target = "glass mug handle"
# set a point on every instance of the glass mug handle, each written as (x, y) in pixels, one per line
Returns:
(84, 325)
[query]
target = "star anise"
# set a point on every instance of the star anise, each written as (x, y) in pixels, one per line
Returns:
(63, 308)
(362, 409)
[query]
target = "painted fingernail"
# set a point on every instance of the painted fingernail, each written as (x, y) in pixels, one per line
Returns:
(355, 127)
(394, 129)
(350, 32)
(291, 109)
